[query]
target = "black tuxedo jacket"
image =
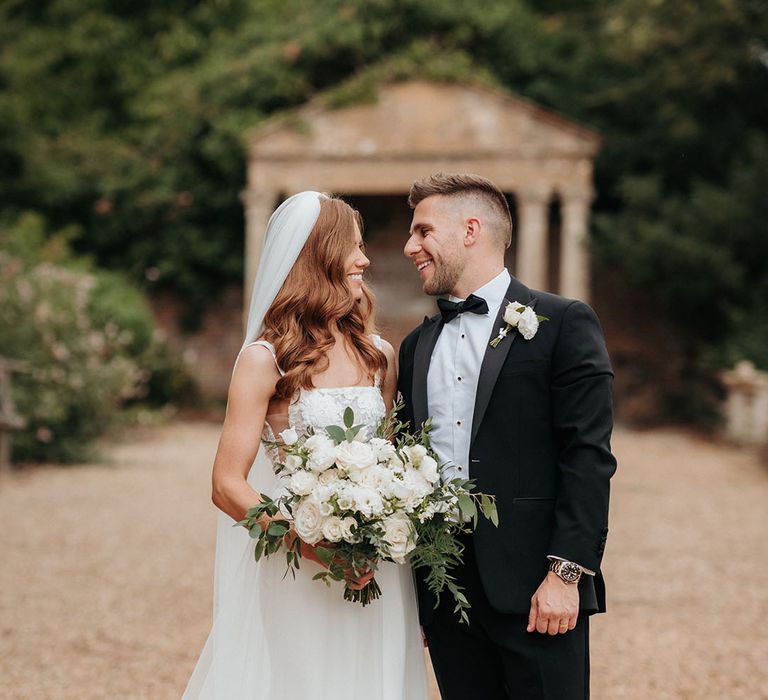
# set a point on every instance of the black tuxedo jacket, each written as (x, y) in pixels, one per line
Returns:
(540, 443)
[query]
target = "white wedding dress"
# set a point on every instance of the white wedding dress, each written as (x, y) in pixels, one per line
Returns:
(279, 638)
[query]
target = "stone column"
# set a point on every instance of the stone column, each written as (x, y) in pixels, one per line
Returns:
(258, 208)
(574, 244)
(533, 220)
(746, 408)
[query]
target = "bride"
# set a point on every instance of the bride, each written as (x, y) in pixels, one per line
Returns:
(308, 354)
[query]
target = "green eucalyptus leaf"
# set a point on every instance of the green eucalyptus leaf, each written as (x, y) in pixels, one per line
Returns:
(324, 554)
(349, 417)
(278, 528)
(337, 434)
(467, 505)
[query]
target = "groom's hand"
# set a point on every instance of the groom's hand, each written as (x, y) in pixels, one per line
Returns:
(554, 606)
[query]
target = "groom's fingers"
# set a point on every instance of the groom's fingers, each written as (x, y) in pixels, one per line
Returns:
(573, 620)
(532, 615)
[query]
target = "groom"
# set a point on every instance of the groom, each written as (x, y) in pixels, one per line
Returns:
(528, 420)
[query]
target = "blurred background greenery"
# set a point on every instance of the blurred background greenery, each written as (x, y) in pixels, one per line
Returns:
(122, 155)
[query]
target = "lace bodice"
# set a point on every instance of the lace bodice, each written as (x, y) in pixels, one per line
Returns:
(319, 407)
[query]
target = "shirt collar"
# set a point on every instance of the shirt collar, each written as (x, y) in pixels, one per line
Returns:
(493, 292)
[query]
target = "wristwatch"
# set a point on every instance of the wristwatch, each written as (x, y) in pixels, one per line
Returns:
(566, 570)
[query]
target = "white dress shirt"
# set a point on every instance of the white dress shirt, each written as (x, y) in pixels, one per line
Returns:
(452, 378)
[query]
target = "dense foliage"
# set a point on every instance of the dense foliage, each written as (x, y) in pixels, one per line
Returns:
(127, 119)
(86, 338)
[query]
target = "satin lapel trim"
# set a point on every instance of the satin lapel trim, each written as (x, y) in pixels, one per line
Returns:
(493, 361)
(430, 331)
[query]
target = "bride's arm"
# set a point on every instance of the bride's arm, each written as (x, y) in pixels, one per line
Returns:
(250, 390)
(389, 385)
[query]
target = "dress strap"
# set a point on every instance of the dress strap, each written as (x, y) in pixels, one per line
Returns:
(380, 345)
(266, 344)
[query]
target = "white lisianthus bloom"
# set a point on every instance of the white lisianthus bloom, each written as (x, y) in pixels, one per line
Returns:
(345, 499)
(383, 449)
(302, 482)
(528, 324)
(322, 452)
(362, 434)
(333, 529)
(399, 535)
(308, 521)
(429, 469)
(322, 496)
(349, 524)
(289, 436)
(511, 314)
(329, 477)
(292, 463)
(354, 455)
(415, 454)
(367, 501)
(427, 513)
(416, 487)
(396, 464)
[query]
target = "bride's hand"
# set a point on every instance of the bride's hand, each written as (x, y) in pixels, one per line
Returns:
(355, 583)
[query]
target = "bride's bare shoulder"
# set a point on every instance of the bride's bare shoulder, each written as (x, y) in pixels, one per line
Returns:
(388, 350)
(256, 362)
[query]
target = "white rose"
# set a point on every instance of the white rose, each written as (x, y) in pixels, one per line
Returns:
(333, 528)
(399, 535)
(289, 436)
(302, 482)
(528, 324)
(375, 477)
(347, 526)
(354, 455)
(308, 521)
(511, 314)
(292, 463)
(429, 469)
(322, 452)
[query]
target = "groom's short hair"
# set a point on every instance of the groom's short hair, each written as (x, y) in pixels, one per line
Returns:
(458, 184)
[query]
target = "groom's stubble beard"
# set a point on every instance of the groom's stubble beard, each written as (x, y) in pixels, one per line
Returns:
(445, 277)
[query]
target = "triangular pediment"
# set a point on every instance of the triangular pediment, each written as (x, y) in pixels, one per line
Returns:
(420, 119)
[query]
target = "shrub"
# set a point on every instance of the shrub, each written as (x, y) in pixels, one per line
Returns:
(86, 336)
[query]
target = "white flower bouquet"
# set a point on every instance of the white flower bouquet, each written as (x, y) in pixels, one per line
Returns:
(361, 500)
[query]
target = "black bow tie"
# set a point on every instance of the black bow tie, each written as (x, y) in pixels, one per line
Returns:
(451, 309)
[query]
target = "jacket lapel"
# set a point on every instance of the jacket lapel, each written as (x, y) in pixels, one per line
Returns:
(494, 358)
(430, 331)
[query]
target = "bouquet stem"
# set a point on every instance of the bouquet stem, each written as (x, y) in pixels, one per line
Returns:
(365, 595)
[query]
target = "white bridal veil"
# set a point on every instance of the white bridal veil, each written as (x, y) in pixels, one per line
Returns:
(222, 672)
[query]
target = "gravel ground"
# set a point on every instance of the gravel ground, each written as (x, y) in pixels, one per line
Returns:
(105, 571)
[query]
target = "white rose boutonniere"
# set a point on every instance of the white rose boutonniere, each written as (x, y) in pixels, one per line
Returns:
(521, 317)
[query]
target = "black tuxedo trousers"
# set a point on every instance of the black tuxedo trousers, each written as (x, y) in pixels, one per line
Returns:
(540, 443)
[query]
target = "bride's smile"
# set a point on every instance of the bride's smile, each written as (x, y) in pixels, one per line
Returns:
(355, 264)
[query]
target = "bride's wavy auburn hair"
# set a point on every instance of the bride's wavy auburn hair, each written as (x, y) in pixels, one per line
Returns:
(315, 299)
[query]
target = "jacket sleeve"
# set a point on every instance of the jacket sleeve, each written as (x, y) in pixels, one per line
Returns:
(582, 415)
(405, 377)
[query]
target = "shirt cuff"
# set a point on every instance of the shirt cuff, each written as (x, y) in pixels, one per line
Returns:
(553, 557)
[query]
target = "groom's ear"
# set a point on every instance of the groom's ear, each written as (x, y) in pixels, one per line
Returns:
(471, 231)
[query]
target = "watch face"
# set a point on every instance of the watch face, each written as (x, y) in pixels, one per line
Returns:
(569, 571)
